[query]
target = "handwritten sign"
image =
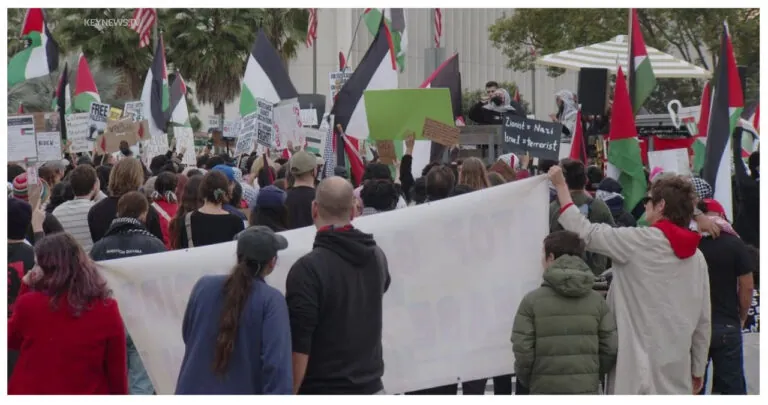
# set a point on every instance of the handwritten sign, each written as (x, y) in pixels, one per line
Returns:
(670, 160)
(440, 133)
(287, 121)
(115, 113)
(265, 130)
(98, 120)
(247, 127)
(230, 129)
(77, 132)
(116, 132)
(48, 146)
(337, 81)
(539, 138)
(386, 151)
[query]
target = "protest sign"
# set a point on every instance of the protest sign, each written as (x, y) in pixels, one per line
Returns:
(670, 160)
(153, 146)
(21, 138)
(337, 81)
(48, 146)
(247, 128)
(392, 113)
(540, 139)
(77, 132)
(265, 131)
(309, 117)
(115, 113)
(116, 132)
(230, 129)
(433, 333)
(47, 122)
(134, 109)
(286, 117)
(440, 133)
(97, 120)
(386, 151)
(185, 140)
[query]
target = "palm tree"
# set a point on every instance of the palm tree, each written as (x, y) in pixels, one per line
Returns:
(37, 94)
(209, 47)
(286, 29)
(15, 19)
(115, 47)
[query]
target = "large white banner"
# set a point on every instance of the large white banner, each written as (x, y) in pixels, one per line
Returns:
(459, 269)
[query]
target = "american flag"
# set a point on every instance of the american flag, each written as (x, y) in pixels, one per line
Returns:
(312, 29)
(142, 22)
(438, 26)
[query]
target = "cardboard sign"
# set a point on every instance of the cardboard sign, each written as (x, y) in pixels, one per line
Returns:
(21, 138)
(47, 122)
(540, 139)
(440, 133)
(48, 146)
(134, 110)
(115, 113)
(98, 118)
(117, 131)
(77, 132)
(386, 151)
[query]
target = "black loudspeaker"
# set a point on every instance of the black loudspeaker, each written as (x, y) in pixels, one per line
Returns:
(593, 91)
(743, 79)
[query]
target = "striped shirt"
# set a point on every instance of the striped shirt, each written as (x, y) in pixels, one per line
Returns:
(73, 216)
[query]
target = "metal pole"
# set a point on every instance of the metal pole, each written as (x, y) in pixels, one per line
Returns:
(154, 30)
(533, 90)
(314, 66)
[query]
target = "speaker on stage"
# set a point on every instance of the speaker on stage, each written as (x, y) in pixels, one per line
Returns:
(593, 91)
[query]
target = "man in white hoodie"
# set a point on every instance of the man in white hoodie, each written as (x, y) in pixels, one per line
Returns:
(659, 293)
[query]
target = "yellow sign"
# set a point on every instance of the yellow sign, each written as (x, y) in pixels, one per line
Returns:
(115, 113)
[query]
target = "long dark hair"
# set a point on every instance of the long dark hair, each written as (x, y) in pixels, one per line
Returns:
(237, 288)
(190, 201)
(275, 218)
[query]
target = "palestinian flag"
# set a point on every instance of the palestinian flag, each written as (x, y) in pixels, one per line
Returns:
(85, 88)
(40, 57)
(375, 72)
(727, 104)
(21, 108)
(642, 81)
(578, 143)
(348, 151)
(179, 110)
(394, 18)
(448, 76)
(61, 100)
(699, 141)
(265, 77)
(623, 147)
(156, 94)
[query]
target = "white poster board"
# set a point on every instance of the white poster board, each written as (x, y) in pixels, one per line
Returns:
(155, 145)
(214, 123)
(287, 121)
(670, 160)
(309, 117)
(248, 126)
(21, 138)
(98, 120)
(185, 139)
(134, 109)
(48, 146)
(265, 130)
(231, 130)
(433, 333)
(337, 81)
(77, 132)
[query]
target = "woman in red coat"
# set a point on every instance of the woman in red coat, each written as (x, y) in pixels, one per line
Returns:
(66, 327)
(165, 202)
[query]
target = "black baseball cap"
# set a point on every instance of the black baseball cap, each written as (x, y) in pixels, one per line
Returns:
(259, 243)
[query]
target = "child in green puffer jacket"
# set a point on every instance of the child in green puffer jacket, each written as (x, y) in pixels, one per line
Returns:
(564, 335)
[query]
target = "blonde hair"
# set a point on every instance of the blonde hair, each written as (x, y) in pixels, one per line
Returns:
(473, 174)
(126, 176)
(258, 163)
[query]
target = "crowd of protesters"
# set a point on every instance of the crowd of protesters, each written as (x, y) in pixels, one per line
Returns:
(680, 287)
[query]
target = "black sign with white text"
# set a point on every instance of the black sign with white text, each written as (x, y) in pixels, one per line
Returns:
(540, 139)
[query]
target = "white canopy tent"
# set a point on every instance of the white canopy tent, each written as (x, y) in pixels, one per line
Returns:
(607, 55)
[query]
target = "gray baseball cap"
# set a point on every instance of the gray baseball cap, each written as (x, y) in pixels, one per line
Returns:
(259, 243)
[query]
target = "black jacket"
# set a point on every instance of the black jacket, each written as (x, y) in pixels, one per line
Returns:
(746, 219)
(103, 212)
(126, 237)
(334, 296)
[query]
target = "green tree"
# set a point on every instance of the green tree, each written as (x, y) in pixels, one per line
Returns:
(37, 94)
(286, 29)
(15, 19)
(692, 33)
(115, 47)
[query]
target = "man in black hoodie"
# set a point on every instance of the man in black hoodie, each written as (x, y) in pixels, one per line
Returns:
(334, 295)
